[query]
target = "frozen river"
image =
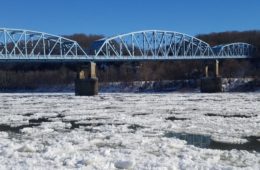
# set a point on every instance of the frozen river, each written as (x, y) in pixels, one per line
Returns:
(130, 131)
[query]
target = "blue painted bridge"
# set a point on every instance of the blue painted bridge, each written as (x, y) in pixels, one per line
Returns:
(17, 45)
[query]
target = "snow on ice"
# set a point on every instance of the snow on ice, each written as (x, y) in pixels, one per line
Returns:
(129, 131)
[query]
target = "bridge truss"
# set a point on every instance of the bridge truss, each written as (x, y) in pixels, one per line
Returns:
(238, 49)
(20, 45)
(17, 45)
(152, 45)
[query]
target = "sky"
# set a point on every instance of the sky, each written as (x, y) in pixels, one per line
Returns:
(112, 17)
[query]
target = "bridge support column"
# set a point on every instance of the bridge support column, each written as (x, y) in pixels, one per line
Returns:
(86, 83)
(211, 84)
(216, 68)
(206, 71)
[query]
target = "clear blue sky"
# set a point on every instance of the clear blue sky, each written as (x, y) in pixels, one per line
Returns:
(109, 17)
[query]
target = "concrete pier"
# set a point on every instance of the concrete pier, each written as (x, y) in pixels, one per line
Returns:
(216, 68)
(86, 83)
(206, 71)
(211, 84)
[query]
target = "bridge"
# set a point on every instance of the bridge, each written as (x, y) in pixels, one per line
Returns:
(18, 45)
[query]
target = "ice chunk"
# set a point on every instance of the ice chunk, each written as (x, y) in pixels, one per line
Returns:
(3, 134)
(26, 148)
(124, 164)
(229, 140)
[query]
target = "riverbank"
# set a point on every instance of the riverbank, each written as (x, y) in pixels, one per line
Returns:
(192, 85)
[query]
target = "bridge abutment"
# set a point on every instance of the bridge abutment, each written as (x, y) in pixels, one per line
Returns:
(211, 84)
(86, 83)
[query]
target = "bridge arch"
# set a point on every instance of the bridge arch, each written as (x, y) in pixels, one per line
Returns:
(234, 49)
(27, 44)
(152, 44)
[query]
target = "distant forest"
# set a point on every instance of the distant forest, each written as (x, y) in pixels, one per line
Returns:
(30, 76)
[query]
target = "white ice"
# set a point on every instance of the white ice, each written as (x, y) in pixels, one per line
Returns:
(127, 130)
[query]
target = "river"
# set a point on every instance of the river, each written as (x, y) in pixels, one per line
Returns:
(130, 131)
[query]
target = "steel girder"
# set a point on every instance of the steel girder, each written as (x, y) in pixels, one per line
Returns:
(234, 49)
(152, 44)
(17, 44)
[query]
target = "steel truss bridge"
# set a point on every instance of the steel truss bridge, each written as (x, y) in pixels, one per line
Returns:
(17, 45)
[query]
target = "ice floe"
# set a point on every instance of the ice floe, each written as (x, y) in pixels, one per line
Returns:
(130, 131)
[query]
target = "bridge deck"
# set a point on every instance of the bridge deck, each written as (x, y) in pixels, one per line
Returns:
(84, 58)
